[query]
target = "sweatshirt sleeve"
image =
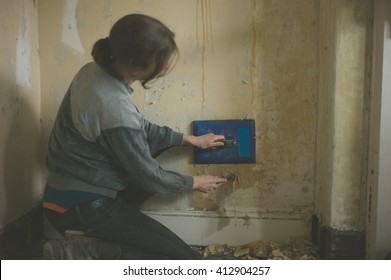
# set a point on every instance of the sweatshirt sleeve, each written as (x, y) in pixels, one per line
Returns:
(130, 148)
(161, 137)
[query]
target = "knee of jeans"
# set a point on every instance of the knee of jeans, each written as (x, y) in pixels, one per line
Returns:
(50, 232)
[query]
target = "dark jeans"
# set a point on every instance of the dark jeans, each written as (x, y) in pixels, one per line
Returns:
(116, 220)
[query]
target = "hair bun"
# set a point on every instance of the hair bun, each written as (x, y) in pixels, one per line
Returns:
(101, 52)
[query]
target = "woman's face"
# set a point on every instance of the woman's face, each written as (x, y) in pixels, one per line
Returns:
(143, 74)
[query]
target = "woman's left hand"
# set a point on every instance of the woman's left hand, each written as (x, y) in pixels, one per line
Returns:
(207, 183)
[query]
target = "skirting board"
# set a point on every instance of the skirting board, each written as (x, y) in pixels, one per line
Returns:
(234, 229)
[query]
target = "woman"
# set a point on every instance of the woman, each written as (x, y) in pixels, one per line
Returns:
(99, 159)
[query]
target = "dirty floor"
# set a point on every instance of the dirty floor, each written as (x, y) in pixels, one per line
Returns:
(297, 249)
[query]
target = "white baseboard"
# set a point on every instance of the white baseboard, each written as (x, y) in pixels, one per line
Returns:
(205, 228)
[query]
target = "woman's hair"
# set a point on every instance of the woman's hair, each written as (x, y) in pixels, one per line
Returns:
(137, 41)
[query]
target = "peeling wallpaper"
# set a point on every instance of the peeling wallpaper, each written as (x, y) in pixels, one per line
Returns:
(262, 65)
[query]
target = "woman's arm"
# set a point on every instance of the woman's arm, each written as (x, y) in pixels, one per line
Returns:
(205, 183)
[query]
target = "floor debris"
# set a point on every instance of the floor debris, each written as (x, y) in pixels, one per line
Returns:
(296, 249)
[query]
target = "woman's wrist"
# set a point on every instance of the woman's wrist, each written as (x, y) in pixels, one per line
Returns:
(189, 139)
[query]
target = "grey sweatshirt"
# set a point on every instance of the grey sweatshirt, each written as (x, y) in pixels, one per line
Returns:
(100, 143)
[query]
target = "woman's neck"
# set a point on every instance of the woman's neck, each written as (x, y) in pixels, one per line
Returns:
(124, 72)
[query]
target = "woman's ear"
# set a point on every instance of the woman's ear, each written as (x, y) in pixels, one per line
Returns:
(134, 71)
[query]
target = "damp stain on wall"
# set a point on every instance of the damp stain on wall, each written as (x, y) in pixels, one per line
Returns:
(275, 38)
(204, 19)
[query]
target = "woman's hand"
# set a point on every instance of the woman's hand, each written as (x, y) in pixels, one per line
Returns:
(207, 183)
(206, 141)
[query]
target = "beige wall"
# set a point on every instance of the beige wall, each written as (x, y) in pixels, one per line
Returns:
(379, 164)
(256, 59)
(260, 63)
(342, 128)
(20, 154)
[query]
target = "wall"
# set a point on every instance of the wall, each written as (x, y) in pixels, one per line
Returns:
(342, 126)
(289, 65)
(379, 165)
(260, 63)
(20, 154)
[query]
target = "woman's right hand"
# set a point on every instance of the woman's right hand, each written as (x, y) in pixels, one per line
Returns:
(206, 141)
(207, 183)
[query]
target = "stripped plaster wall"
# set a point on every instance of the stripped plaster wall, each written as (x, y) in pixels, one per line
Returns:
(20, 100)
(282, 63)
